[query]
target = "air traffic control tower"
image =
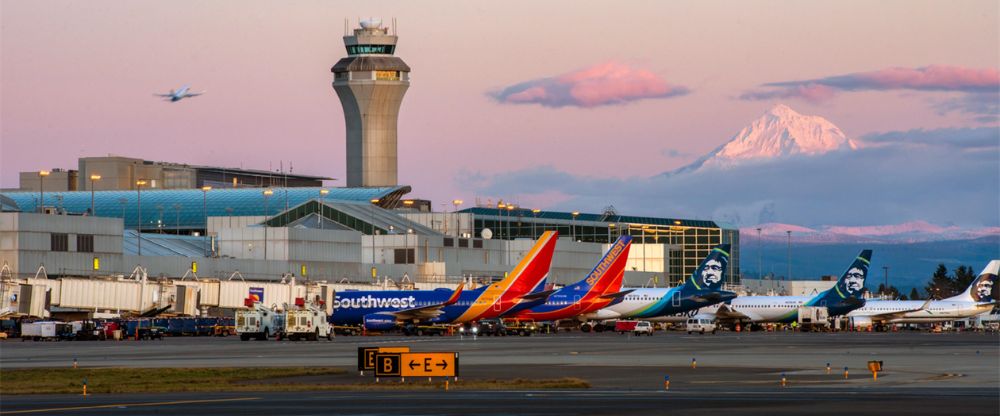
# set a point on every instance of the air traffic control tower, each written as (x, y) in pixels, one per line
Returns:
(371, 83)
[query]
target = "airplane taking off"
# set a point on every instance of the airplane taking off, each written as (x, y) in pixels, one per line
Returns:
(381, 310)
(703, 288)
(601, 287)
(981, 296)
(843, 297)
(179, 94)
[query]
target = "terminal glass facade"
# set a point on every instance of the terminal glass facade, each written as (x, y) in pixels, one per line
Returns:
(688, 241)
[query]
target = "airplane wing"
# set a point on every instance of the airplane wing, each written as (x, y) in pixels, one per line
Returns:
(537, 295)
(617, 295)
(194, 94)
(162, 95)
(726, 312)
(888, 316)
(429, 311)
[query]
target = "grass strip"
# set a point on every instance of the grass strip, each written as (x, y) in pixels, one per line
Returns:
(146, 380)
(254, 379)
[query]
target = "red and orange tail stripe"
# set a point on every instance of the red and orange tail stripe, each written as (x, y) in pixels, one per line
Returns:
(525, 276)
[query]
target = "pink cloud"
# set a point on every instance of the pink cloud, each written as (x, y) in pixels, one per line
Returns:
(929, 78)
(604, 84)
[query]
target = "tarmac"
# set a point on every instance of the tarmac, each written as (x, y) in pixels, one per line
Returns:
(948, 373)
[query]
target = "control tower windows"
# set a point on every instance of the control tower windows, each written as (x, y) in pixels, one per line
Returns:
(387, 75)
(370, 49)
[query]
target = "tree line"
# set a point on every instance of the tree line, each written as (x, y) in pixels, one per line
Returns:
(941, 285)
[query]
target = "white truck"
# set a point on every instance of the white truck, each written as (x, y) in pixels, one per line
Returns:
(44, 330)
(308, 323)
(259, 322)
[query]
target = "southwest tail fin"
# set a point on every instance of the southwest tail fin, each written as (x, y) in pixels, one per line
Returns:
(533, 269)
(852, 283)
(984, 288)
(608, 273)
(710, 275)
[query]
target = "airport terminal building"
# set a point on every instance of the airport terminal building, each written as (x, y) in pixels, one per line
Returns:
(336, 234)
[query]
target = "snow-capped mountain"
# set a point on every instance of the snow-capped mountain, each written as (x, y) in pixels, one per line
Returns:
(909, 232)
(780, 132)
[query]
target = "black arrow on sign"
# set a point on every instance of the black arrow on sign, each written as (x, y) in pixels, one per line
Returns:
(413, 364)
(443, 364)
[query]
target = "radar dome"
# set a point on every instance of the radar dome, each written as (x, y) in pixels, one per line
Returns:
(371, 23)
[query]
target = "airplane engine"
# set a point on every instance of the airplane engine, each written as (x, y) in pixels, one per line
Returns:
(379, 322)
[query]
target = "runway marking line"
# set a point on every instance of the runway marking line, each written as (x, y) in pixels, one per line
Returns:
(117, 405)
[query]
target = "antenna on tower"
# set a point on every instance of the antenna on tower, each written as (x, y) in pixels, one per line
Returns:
(345, 26)
(395, 31)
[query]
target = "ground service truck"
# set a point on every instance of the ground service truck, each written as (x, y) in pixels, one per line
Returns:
(308, 322)
(259, 322)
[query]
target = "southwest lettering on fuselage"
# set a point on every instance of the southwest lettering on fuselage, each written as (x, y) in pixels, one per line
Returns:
(369, 301)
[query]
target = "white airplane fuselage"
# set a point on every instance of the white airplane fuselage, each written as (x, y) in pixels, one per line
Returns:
(935, 311)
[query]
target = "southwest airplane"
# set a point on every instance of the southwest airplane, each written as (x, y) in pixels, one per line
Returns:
(701, 289)
(600, 288)
(380, 310)
(981, 296)
(842, 298)
(179, 94)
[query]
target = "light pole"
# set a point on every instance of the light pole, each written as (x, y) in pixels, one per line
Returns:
(373, 201)
(510, 210)
(322, 197)
(644, 227)
(41, 189)
(573, 227)
(534, 214)
(500, 209)
(138, 202)
(789, 254)
(93, 178)
(760, 256)
(886, 284)
(204, 212)
(267, 195)
(458, 218)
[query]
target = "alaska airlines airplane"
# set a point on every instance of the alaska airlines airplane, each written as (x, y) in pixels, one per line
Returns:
(380, 310)
(981, 296)
(843, 297)
(179, 94)
(600, 288)
(701, 289)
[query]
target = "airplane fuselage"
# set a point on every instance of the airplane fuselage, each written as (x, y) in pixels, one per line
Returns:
(649, 303)
(936, 311)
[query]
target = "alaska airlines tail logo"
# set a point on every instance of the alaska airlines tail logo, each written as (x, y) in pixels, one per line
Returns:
(711, 271)
(852, 282)
(984, 288)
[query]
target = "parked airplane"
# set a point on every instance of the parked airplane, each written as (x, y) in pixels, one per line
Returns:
(179, 94)
(379, 310)
(701, 289)
(843, 297)
(600, 288)
(981, 296)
